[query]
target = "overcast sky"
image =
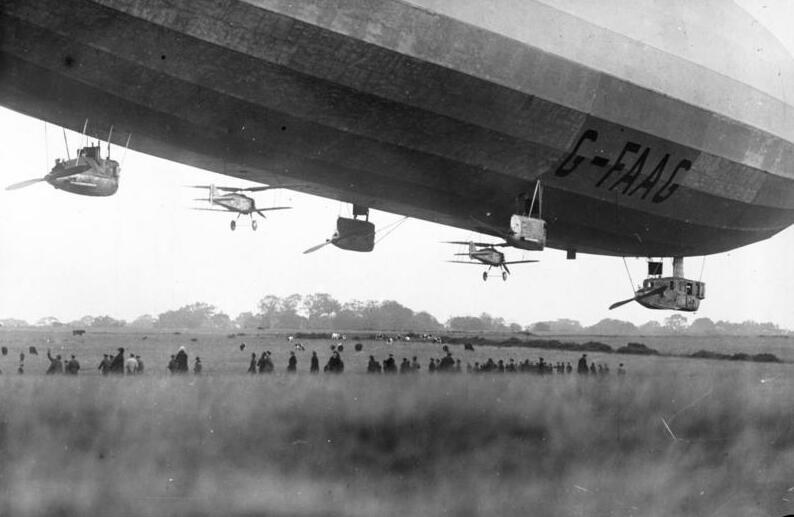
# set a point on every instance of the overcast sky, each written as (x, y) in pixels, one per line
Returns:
(144, 251)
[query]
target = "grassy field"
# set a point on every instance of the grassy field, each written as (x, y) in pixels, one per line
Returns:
(674, 437)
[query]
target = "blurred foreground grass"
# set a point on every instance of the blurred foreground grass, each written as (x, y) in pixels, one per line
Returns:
(403, 445)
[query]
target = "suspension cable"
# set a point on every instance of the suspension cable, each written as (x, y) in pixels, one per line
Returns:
(393, 226)
(702, 267)
(631, 281)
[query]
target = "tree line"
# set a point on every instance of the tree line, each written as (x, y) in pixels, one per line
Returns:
(320, 311)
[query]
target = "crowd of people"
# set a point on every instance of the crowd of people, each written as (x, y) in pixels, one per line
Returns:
(123, 363)
(451, 365)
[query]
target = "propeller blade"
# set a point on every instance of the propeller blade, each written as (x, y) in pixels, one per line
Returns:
(315, 248)
(642, 296)
(23, 184)
(268, 209)
(621, 303)
(487, 244)
(269, 187)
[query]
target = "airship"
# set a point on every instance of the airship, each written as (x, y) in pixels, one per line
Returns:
(656, 128)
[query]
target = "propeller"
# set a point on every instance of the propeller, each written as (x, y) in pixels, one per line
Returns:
(638, 297)
(249, 189)
(480, 244)
(26, 183)
(332, 240)
(23, 184)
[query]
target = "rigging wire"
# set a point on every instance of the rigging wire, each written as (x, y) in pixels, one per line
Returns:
(702, 267)
(393, 226)
(631, 281)
(46, 148)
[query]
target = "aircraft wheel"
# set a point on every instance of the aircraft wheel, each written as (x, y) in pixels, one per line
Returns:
(253, 225)
(484, 276)
(233, 226)
(504, 276)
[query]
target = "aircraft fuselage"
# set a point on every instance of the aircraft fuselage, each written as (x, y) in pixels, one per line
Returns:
(236, 203)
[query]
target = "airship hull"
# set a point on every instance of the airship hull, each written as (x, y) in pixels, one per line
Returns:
(422, 109)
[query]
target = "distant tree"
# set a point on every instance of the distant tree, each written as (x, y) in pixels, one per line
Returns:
(145, 321)
(540, 326)
(221, 321)
(515, 327)
(703, 326)
(85, 321)
(612, 327)
(426, 321)
(320, 309)
(281, 313)
(192, 316)
(107, 322)
(651, 327)
(13, 322)
(247, 320)
(675, 323)
(560, 326)
(48, 321)
(466, 323)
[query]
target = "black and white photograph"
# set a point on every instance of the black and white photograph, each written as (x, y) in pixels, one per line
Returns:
(303, 258)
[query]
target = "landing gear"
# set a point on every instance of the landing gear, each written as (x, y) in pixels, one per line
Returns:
(253, 224)
(484, 276)
(233, 225)
(504, 276)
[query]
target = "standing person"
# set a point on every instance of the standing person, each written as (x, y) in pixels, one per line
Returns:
(292, 364)
(415, 364)
(315, 364)
(140, 364)
(56, 365)
(581, 366)
(389, 365)
(73, 366)
(252, 364)
(181, 360)
(172, 364)
(131, 364)
(197, 366)
(117, 363)
(104, 364)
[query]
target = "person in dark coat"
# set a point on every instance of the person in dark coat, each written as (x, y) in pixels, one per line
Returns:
(581, 366)
(172, 364)
(72, 366)
(252, 364)
(292, 364)
(181, 361)
(315, 364)
(389, 366)
(104, 365)
(117, 363)
(56, 365)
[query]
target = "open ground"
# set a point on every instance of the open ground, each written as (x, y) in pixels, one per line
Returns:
(674, 437)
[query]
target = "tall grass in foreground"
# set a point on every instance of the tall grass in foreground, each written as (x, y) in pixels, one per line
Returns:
(416, 445)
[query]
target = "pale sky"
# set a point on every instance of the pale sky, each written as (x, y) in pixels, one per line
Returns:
(144, 251)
